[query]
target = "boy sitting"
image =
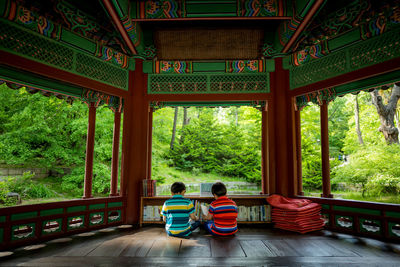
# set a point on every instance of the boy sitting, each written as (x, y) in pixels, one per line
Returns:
(224, 212)
(176, 212)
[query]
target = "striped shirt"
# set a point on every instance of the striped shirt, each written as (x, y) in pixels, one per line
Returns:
(224, 213)
(177, 210)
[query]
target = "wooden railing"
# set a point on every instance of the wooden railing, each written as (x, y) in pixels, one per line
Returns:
(369, 219)
(30, 224)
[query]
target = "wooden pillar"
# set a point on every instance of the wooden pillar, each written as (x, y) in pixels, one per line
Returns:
(264, 151)
(135, 140)
(298, 153)
(89, 151)
(283, 128)
(149, 142)
(115, 154)
(326, 180)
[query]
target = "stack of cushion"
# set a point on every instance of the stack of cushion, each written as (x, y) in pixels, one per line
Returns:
(298, 215)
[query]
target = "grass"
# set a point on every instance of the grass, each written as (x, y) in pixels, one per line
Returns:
(171, 175)
(352, 195)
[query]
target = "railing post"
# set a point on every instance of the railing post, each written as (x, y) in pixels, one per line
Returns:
(297, 118)
(326, 179)
(149, 142)
(89, 151)
(115, 153)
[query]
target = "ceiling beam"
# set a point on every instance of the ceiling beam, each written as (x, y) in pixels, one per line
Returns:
(117, 22)
(303, 25)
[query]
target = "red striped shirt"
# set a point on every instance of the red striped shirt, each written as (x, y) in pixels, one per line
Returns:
(224, 211)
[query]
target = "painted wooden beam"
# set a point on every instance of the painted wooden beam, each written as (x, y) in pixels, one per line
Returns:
(303, 25)
(115, 154)
(367, 72)
(117, 22)
(90, 151)
(208, 97)
(25, 64)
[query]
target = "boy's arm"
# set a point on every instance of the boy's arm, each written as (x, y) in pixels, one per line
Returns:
(208, 217)
(164, 218)
(193, 217)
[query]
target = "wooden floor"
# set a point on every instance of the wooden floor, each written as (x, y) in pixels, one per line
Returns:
(150, 246)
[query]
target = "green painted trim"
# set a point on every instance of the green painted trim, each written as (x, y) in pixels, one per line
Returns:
(392, 234)
(270, 65)
(357, 210)
(76, 60)
(114, 204)
(132, 64)
(51, 212)
(116, 219)
(325, 206)
(32, 80)
(2, 218)
(59, 229)
(32, 225)
(393, 214)
(24, 215)
(344, 39)
(82, 225)
(3, 5)
(97, 206)
(148, 66)
(76, 209)
(305, 9)
(208, 104)
(343, 226)
(217, 15)
(376, 81)
(96, 213)
(75, 40)
(1, 235)
(209, 66)
(364, 230)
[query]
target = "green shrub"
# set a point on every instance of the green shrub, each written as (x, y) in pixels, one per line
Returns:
(4, 190)
(73, 183)
(28, 188)
(380, 184)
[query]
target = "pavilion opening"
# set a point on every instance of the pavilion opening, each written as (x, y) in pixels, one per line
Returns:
(201, 145)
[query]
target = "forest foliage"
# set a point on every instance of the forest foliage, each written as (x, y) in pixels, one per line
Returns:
(38, 131)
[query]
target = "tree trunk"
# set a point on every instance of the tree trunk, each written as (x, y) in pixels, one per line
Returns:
(171, 146)
(396, 117)
(236, 116)
(186, 120)
(386, 114)
(357, 120)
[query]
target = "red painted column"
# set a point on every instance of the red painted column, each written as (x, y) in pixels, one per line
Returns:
(115, 154)
(264, 152)
(149, 142)
(89, 151)
(135, 141)
(298, 153)
(326, 179)
(282, 128)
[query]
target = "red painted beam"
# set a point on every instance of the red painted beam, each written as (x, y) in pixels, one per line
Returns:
(57, 74)
(367, 72)
(302, 25)
(117, 22)
(326, 179)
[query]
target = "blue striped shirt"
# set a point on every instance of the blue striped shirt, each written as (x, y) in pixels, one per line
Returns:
(177, 210)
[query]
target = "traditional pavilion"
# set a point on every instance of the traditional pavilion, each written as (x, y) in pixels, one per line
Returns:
(137, 56)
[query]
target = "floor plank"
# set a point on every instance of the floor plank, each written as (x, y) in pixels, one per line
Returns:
(195, 248)
(256, 248)
(310, 248)
(168, 247)
(280, 248)
(138, 247)
(110, 248)
(226, 247)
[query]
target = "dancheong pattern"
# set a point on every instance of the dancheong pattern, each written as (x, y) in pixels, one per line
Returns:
(244, 66)
(107, 54)
(263, 8)
(173, 67)
(163, 9)
(305, 55)
(18, 14)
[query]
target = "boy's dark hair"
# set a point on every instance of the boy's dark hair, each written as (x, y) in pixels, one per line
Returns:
(177, 187)
(218, 189)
